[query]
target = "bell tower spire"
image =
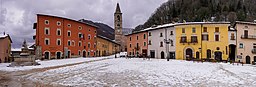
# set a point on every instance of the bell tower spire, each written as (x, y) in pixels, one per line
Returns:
(118, 24)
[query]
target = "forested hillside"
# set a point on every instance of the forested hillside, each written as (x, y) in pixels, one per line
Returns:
(202, 10)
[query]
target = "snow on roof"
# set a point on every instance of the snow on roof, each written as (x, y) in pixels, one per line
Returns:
(2, 36)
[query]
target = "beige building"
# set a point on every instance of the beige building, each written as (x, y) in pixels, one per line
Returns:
(246, 41)
(5, 48)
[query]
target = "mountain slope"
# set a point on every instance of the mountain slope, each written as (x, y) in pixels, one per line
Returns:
(202, 10)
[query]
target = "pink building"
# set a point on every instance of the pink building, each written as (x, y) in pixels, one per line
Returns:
(5, 48)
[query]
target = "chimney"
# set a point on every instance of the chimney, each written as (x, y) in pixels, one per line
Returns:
(4, 33)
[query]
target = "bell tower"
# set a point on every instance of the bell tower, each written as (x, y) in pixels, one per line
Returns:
(118, 25)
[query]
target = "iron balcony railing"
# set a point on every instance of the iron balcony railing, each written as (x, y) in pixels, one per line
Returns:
(248, 36)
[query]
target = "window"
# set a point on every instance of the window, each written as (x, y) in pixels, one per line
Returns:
(149, 42)
(47, 41)
(254, 45)
(217, 37)
(161, 34)
(89, 45)
(59, 42)
(80, 35)
(89, 29)
(193, 30)
(161, 44)
(149, 33)
(217, 29)
(69, 33)
(183, 39)
(205, 37)
(130, 45)
(73, 43)
(89, 36)
(137, 45)
(58, 32)
(241, 45)
(130, 38)
(218, 48)
(79, 43)
(69, 42)
(58, 23)
(137, 37)
(205, 29)
(47, 31)
(145, 44)
(194, 39)
(171, 33)
(79, 52)
(144, 36)
(94, 45)
(171, 42)
(46, 22)
(246, 26)
(232, 36)
(183, 30)
(80, 27)
(69, 25)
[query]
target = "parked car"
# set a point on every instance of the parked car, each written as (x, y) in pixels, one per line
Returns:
(123, 54)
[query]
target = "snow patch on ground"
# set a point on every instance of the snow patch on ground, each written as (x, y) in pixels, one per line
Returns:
(50, 63)
(123, 72)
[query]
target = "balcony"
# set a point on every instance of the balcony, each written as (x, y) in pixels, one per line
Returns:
(254, 50)
(193, 40)
(248, 36)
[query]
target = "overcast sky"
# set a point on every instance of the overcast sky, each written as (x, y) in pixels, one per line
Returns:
(17, 16)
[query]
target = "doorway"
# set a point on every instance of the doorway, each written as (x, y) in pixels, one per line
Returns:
(58, 54)
(189, 53)
(245, 33)
(46, 55)
(209, 54)
(197, 55)
(144, 52)
(162, 55)
(152, 53)
(218, 55)
(248, 60)
(172, 55)
(232, 52)
(84, 53)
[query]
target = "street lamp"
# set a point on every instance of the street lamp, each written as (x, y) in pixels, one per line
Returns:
(167, 41)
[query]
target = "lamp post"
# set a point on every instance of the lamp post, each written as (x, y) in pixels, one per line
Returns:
(167, 42)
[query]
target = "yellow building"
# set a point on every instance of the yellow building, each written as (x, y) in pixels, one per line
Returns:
(202, 40)
(106, 47)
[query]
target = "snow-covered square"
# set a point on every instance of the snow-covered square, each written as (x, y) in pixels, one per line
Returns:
(121, 72)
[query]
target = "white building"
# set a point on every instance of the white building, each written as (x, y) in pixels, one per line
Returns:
(160, 39)
(232, 44)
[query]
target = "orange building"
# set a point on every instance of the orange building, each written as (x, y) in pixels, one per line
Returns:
(137, 44)
(58, 37)
(5, 48)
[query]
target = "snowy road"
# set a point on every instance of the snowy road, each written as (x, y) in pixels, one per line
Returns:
(137, 72)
